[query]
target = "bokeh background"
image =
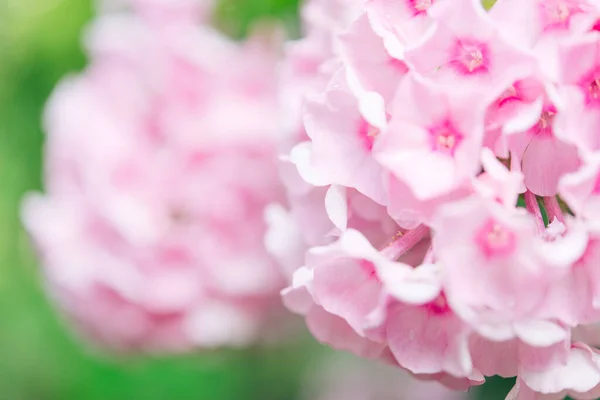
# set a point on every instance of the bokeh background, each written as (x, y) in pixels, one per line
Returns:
(39, 358)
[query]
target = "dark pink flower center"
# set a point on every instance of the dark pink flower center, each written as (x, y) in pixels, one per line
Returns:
(439, 305)
(495, 240)
(369, 269)
(590, 85)
(420, 6)
(445, 138)
(367, 134)
(594, 88)
(398, 65)
(543, 129)
(556, 14)
(470, 57)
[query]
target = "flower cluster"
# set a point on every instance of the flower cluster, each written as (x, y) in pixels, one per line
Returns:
(437, 206)
(443, 188)
(160, 159)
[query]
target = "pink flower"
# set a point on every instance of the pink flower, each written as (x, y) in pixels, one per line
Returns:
(583, 75)
(471, 56)
(530, 21)
(340, 286)
(581, 117)
(326, 327)
(433, 139)
(342, 139)
(493, 277)
(574, 298)
(354, 293)
(514, 102)
(544, 158)
(428, 338)
(153, 157)
(337, 310)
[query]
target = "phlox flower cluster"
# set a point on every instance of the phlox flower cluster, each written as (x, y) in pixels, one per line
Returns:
(159, 160)
(443, 208)
(436, 204)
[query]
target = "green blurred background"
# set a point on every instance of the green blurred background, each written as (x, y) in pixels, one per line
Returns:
(39, 359)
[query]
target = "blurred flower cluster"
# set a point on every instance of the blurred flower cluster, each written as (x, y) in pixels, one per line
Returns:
(160, 158)
(422, 175)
